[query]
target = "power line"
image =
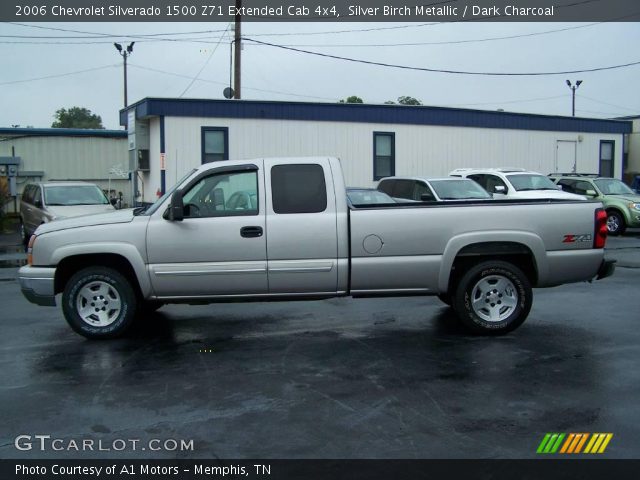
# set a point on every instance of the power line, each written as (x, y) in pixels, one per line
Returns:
(151, 69)
(12, 82)
(609, 104)
(205, 63)
(438, 70)
(448, 42)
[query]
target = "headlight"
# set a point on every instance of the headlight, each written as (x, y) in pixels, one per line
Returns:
(634, 206)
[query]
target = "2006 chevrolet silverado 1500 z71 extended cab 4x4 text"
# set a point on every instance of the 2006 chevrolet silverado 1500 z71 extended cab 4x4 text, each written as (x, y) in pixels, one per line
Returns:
(281, 229)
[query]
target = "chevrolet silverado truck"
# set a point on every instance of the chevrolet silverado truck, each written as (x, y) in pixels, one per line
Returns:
(282, 229)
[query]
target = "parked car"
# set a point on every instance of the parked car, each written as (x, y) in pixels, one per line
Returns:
(514, 183)
(367, 196)
(43, 202)
(301, 240)
(621, 203)
(419, 189)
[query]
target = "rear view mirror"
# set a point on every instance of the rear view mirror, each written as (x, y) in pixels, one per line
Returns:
(176, 209)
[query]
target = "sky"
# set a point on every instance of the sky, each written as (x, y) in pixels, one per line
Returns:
(40, 75)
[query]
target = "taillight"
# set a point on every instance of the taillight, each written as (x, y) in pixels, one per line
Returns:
(32, 240)
(600, 234)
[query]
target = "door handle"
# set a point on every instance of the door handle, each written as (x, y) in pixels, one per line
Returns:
(251, 232)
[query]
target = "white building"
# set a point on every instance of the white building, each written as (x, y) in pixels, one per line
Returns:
(372, 141)
(45, 154)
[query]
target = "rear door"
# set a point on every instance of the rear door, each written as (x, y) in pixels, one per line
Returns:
(302, 246)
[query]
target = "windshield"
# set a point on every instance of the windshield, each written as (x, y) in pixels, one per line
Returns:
(168, 193)
(612, 186)
(368, 197)
(531, 182)
(68, 195)
(458, 189)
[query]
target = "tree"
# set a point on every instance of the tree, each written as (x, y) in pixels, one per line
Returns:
(408, 101)
(76, 117)
(404, 100)
(352, 99)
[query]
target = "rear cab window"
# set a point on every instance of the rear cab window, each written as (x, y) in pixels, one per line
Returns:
(298, 188)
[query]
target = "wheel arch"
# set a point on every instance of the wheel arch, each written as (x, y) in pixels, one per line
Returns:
(132, 268)
(523, 249)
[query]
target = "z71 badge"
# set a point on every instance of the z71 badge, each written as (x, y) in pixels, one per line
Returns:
(585, 237)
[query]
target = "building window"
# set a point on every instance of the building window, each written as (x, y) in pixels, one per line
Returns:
(215, 144)
(384, 154)
(607, 148)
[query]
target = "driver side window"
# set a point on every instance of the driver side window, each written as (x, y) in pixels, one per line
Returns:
(224, 194)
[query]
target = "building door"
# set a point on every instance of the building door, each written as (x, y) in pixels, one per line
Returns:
(566, 161)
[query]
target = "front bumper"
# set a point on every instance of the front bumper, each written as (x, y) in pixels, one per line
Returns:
(607, 267)
(37, 285)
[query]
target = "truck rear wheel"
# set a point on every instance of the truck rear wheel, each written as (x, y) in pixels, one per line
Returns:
(99, 302)
(493, 298)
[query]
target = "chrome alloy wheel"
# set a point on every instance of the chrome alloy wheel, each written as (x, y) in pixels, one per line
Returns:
(613, 223)
(98, 303)
(494, 298)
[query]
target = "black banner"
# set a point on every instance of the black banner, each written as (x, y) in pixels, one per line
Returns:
(319, 10)
(548, 469)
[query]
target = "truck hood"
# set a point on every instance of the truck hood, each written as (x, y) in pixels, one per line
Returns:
(547, 194)
(626, 198)
(64, 211)
(116, 216)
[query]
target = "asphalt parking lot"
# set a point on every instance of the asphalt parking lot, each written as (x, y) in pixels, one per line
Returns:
(342, 378)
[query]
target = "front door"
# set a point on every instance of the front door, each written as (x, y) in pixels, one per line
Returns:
(220, 246)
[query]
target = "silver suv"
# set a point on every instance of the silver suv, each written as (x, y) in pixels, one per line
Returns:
(43, 202)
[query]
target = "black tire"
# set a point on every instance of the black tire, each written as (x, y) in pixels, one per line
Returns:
(615, 223)
(114, 288)
(445, 298)
(496, 310)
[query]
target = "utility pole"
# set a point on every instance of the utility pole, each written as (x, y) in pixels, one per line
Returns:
(237, 52)
(125, 53)
(573, 95)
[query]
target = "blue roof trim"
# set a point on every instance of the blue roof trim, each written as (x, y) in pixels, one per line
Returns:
(365, 113)
(62, 132)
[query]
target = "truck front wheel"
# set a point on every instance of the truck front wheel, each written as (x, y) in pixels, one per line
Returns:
(99, 302)
(493, 298)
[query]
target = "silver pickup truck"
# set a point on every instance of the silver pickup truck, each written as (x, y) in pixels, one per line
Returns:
(281, 228)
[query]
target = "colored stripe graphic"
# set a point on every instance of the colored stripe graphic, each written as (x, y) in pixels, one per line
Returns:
(574, 443)
(599, 442)
(550, 443)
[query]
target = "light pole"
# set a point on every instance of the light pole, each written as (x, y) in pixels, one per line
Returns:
(125, 53)
(573, 95)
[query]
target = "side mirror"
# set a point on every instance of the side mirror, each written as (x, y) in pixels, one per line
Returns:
(590, 193)
(38, 203)
(559, 187)
(499, 189)
(426, 197)
(176, 209)
(113, 201)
